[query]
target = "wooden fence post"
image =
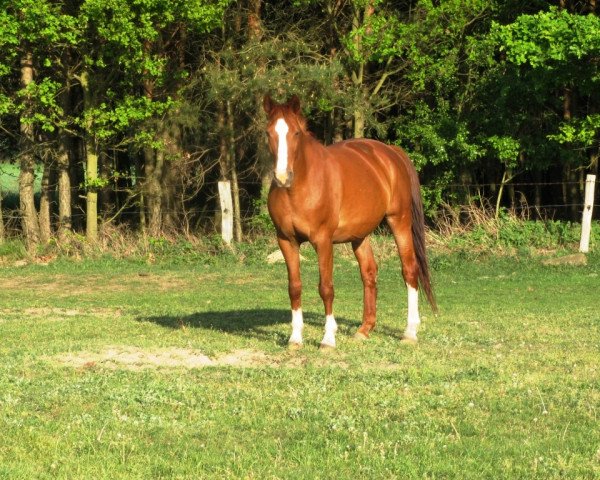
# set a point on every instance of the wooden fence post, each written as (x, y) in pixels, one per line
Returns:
(226, 211)
(586, 220)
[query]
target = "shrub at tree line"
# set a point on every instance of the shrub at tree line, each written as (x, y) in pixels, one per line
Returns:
(130, 111)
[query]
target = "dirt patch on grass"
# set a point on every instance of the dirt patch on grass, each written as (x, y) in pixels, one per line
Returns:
(48, 313)
(78, 285)
(135, 358)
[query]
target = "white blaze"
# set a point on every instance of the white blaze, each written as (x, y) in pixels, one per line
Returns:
(282, 148)
(413, 313)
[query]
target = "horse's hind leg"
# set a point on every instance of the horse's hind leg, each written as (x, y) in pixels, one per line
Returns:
(368, 273)
(401, 228)
(291, 254)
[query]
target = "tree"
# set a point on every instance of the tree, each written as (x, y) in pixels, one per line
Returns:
(558, 52)
(147, 39)
(30, 30)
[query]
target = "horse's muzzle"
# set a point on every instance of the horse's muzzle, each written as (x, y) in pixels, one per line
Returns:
(284, 179)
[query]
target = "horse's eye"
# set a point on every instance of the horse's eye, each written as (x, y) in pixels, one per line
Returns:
(297, 133)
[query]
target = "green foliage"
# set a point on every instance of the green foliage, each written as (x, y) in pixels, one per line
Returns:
(377, 39)
(481, 233)
(109, 119)
(506, 149)
(12, 249)
(582, 131)
(470, 88)
(546, 39)
(38, 105)
(95, 183)
(261, 223)
(562, 49)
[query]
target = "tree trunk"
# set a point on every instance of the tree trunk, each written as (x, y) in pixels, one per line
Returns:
(574, 197)
(64, 187)
(45, 202)
(263, 158)
(361, 20)
(338, 125)
(171, 184)
(237, 214)
(77, 176)
(107, 192)
(223, 152)
(91, 163)
(594, 161)
(169, 189)
(359, 122)
(227, 164)
(153, 164)
(29, 216)
(507, 176)
(153, 171)
(570, 193)
(91, 217)
(140, 186)
(235, 187)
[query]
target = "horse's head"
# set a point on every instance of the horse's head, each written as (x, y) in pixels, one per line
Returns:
(284, 131)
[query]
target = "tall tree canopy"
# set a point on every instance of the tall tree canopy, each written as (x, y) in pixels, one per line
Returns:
(130, 111)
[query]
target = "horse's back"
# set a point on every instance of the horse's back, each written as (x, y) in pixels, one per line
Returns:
(364, 160)
(373, 153)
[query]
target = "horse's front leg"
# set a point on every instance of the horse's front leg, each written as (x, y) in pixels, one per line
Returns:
(291, 254)
(324, 250)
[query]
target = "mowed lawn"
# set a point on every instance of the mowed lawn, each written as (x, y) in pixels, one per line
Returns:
(179, 369)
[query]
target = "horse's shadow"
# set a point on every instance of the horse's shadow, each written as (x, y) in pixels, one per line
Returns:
(256, 323)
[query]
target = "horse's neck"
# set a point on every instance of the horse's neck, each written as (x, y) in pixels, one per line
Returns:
(312, 157)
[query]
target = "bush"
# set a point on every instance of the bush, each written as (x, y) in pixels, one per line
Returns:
(477, 229)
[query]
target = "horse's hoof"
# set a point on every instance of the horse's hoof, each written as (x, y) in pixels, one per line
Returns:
(409, 340)
(360, 337)
(325, 347)
(294, 346)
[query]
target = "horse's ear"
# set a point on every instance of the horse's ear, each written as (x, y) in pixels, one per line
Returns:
(268, 104)
(294, 103)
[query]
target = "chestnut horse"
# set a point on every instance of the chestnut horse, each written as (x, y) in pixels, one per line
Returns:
(341, 193)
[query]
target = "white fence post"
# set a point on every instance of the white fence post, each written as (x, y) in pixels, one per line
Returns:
(226, 211)
(586, 220)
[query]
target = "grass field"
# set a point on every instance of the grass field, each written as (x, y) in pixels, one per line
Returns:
(9, 178)
(179, 369)
(9, 183)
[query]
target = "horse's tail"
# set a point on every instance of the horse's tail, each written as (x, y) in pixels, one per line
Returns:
(418, 235)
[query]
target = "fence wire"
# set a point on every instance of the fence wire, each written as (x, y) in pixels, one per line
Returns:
(210, 208)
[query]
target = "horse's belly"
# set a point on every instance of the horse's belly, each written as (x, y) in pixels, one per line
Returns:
(357, 223)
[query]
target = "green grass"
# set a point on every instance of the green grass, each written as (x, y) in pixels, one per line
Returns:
(9, 178)
(503, 384)
(9, 183)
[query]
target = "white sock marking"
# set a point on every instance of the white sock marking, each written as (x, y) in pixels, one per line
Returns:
(282, 148)
(330, 329)
(413, 313)
(297, 326)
